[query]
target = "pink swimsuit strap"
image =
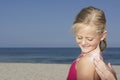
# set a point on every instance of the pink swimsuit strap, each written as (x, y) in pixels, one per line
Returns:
(72, 72)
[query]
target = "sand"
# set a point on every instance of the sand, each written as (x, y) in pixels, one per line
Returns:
(37, 71)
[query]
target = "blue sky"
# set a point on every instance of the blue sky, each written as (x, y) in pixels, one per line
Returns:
(47, 23)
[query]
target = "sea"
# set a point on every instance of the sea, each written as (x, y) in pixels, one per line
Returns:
(52, 55)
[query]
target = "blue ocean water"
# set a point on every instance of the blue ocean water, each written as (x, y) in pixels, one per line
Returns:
(51, 55)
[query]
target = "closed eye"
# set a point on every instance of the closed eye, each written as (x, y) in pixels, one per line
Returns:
(90, 39)
(78, 37)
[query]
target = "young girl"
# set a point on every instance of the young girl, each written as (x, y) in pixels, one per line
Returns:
(90, 31)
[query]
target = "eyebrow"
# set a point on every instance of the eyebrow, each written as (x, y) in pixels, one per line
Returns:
(86, 37)
(89, 37)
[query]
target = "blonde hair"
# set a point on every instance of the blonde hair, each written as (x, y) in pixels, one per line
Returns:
(92, 16)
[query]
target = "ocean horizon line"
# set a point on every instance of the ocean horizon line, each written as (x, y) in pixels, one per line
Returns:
(49, 47)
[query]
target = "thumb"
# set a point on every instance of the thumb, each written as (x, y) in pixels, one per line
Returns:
(109, 65)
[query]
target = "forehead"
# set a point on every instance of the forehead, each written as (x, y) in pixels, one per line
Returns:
(87, 31)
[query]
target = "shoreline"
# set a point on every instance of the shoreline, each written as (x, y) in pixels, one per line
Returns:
(38, 71)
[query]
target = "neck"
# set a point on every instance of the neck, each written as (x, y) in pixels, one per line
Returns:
(96, 50)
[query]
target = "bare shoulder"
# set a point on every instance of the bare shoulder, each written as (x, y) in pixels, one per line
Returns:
(85, 69)
(85, 63)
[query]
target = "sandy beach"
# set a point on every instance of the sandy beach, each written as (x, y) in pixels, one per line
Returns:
(38, 71)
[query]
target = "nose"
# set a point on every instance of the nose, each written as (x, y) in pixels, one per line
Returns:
(83, 42)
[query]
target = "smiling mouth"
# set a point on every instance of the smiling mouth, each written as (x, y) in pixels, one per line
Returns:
(84, 46)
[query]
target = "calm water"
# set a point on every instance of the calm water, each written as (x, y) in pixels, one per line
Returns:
(51, 55)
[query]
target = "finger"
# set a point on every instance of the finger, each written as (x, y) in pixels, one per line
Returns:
(95, 62)
(97, 65)
(110, 68)
(100, 64)
(100, 73)
(99, 61)
(109, 65)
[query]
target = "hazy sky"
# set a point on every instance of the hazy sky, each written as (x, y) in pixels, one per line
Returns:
(47, 23)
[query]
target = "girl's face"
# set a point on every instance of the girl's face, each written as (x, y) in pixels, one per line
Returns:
(88, 39)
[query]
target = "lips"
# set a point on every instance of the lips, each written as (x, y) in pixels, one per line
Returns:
(85, 46)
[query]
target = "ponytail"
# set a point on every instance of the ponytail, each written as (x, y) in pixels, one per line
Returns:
(103, 45)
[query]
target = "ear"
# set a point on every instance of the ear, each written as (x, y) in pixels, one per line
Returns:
(104, 34)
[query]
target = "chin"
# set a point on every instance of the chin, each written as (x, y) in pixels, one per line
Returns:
(87, 50)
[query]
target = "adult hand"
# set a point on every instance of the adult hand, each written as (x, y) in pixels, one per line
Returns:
(105, 72)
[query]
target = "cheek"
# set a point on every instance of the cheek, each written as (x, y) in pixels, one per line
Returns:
(77, 41)
(95, 43)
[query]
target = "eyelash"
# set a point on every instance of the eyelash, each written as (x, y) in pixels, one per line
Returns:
(87, 39)
(79, 37)
(90, 39)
